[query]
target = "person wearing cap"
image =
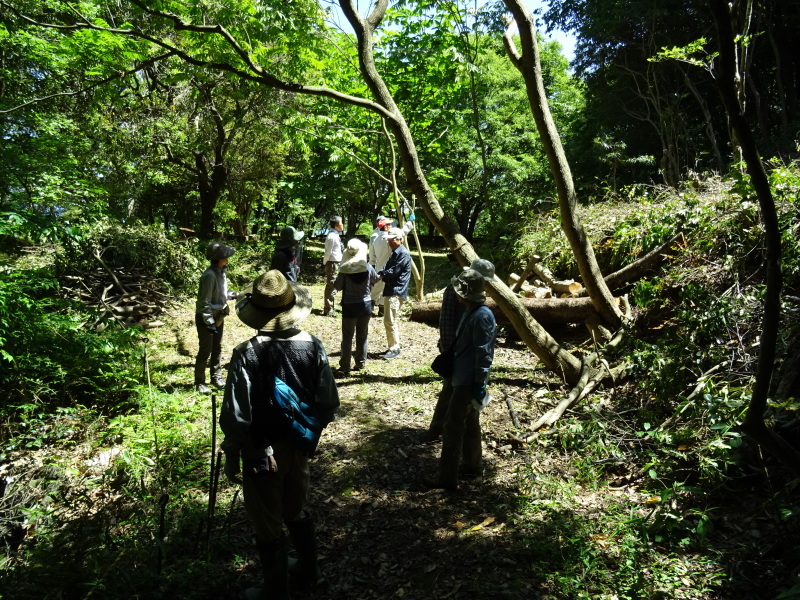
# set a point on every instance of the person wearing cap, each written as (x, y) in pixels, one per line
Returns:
(396, 275)
(330, 262)
(287, 255)
(354, 280)
(211, 309)
(449, 317)
(474, 351)
(258, 444)
(380, 252)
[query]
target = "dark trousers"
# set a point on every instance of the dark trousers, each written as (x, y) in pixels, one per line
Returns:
(442, 404)
(209, 345)
(461, 439)
(360, 327)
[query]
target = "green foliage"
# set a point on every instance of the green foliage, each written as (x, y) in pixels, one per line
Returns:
(50, 360)
(143, 247)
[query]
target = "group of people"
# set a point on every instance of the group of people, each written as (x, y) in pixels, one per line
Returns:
(267, 445)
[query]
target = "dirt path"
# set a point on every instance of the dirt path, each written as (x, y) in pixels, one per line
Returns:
(381, 534)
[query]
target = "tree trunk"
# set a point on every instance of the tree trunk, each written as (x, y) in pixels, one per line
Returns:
(550, 310)
(538, 340)
(754, 424)
(529, 66)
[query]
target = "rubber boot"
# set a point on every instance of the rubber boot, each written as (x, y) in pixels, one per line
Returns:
(275, 566)
(304, 571)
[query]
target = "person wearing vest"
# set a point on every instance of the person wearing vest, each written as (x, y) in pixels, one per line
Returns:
(474, 350)
(258, 442)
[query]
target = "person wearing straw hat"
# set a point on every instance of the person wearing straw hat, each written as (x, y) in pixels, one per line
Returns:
(449, 318)
(474, 350)
(211, 308)
(354, 280)
(259, 442)
(287, 255)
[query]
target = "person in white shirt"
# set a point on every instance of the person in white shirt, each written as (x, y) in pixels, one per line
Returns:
(379, 253)
(330, 261)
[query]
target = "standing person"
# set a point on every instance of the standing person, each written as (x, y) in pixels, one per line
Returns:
(354, 280)
(449, 317)
(330, 261)
(474, 351)
(287, 255)
(210, 310)
(380, 252)
(396, 275)
(259, 435)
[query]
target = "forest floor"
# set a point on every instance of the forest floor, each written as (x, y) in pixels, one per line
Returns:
(544, 521)
(383, 535)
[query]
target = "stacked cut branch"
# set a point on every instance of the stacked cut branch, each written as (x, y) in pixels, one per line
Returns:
(129, 297)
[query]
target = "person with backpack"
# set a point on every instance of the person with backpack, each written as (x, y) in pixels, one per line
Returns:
(474, 350)
(279, 396)
(288, 253)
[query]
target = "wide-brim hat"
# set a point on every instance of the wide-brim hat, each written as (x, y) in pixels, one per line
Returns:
(274, 303)
(469, 285)
(219, 251)
(355, 257)
(484, 267)
(289, 237)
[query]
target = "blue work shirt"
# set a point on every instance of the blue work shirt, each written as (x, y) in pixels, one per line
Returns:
(396, 275)
(474, 349)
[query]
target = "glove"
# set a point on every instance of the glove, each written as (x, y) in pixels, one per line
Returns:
(212, 328)
(479, 391)
(232, 468)
(412, 217)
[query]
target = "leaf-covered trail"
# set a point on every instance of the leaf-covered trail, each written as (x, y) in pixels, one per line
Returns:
(380, 533)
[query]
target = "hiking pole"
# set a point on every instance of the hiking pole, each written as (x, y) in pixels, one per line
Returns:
(212, 481)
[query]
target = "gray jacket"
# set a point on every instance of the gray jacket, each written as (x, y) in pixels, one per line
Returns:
(212, 295)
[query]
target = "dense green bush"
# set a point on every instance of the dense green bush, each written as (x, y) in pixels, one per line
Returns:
(50, 360)
(135, 246)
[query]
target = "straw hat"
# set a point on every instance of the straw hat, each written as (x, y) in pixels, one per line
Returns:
(274, 303)
(355, 257)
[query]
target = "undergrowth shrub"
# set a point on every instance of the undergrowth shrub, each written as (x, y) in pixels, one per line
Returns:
(135, 246)
(50, 360)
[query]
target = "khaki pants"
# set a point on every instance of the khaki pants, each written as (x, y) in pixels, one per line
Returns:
(277, 498)
(331, 268)
(391, 320)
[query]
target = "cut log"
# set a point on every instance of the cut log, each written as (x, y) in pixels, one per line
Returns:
(552, 310)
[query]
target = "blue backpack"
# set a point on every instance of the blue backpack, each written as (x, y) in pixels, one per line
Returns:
(303, 429)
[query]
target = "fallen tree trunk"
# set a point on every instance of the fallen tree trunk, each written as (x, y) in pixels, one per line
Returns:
(550, 310)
